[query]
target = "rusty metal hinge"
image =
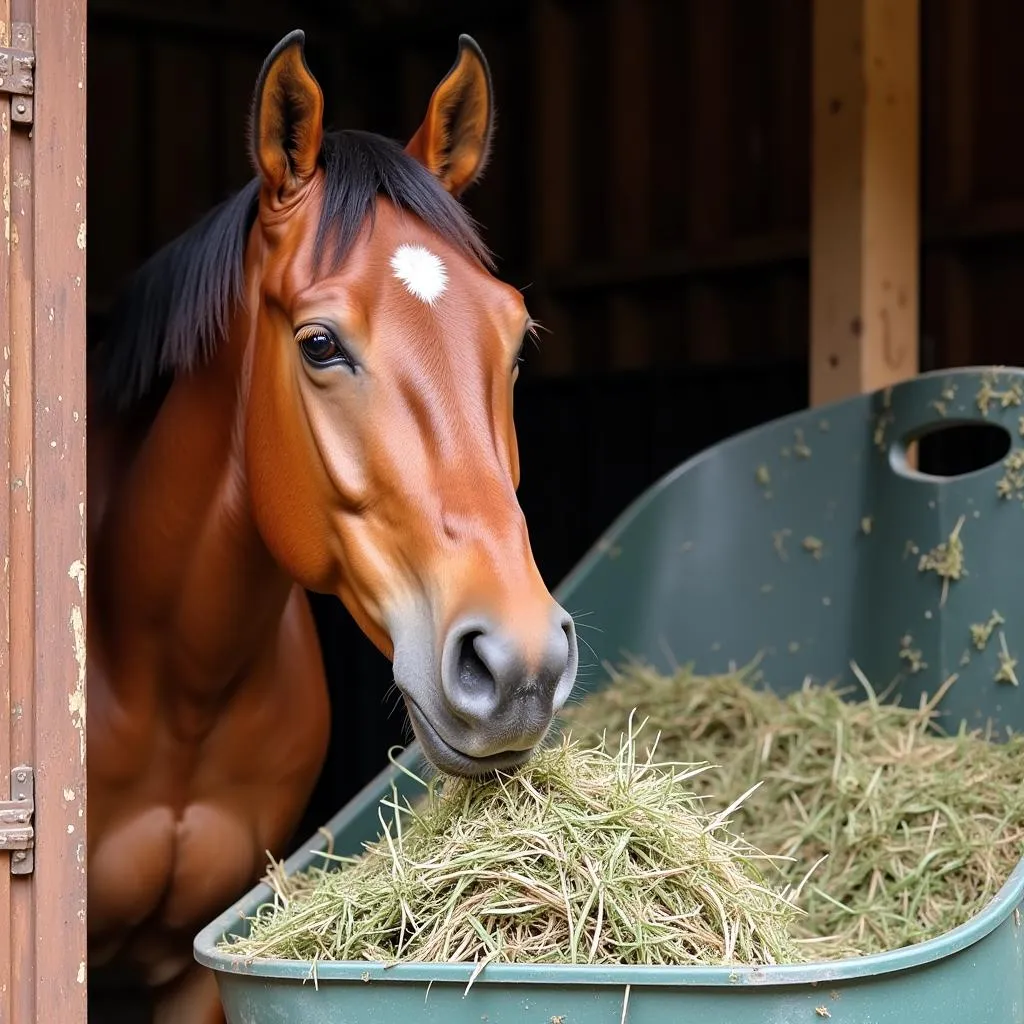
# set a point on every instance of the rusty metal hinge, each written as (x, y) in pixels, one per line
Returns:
(17, 72)
(17, 829)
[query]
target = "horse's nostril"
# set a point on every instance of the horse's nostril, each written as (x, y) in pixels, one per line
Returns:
(475, 677)
(487, 677)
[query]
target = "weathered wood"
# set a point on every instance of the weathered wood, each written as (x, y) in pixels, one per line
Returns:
(20, 511)
(48, 624)
(6, 932)
(864, 212)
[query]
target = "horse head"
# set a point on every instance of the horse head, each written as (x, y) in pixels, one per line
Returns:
(379, 446)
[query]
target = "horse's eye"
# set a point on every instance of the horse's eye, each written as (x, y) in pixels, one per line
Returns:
(321, 348)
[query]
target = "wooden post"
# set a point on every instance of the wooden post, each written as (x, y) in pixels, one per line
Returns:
(42, 515)
(865, 206)
(58, 488)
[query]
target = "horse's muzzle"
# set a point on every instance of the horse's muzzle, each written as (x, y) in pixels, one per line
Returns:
(491, 699)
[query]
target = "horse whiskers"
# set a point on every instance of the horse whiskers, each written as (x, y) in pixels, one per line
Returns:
(576, 616)
(392, 696)
(588, 645)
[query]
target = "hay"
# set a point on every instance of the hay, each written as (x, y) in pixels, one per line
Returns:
(584, 856)
(771, 830)
(919, 830)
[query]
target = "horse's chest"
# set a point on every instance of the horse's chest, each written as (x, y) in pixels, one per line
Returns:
(181, 814)
(162, 871)
(177, 833)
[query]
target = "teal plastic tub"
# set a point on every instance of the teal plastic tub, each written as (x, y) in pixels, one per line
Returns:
(709, 566)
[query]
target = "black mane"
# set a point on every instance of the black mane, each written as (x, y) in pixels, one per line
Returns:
(175, 309)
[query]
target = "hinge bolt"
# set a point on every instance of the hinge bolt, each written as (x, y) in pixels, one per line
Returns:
(19, 855)
(21, 775)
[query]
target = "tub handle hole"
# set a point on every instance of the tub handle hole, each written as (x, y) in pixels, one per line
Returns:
(945, 451)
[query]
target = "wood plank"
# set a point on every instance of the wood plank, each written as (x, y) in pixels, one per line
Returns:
(184, 144)
(20, 519)
(555, 100)
(252, 25)
(6, 950)
(57, 489)
(115, 153)
(790, 168)
(996, 87)
(630, 179)
(707, 151)
(723, 256)
(864, 209)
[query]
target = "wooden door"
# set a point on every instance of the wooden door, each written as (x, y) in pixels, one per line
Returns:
(42, 511)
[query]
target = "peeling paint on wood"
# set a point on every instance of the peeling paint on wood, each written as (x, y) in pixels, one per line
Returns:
(12, 688)
(5, 198)
(76, 699)
(42, 510)
(77, 572)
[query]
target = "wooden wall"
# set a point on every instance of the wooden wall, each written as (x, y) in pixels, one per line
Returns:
(677, 158)
(675, 163)
(651, 178)
(973, 181)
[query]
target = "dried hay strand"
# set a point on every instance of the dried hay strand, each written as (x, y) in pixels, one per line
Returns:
(918, 829)
(582, 856)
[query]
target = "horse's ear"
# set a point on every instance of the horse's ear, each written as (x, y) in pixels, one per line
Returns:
(286, 124)
(454, 140)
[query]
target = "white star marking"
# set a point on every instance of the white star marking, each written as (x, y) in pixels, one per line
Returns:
(421, 271)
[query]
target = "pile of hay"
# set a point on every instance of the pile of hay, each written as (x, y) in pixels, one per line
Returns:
(584, 856)
(775, 830)
(918, 829)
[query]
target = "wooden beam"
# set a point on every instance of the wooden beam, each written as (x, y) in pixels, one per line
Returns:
(865, 236)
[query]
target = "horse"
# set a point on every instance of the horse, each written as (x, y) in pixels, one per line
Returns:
(309, 390)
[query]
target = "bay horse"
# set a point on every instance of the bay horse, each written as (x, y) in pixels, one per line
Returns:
(310, 389)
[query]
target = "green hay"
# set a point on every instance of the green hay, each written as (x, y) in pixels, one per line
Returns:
(583, 856)
(981, 632)
(919, 830)
(946, 560)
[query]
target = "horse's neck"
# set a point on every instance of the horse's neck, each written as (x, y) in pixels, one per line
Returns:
(189, 585)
